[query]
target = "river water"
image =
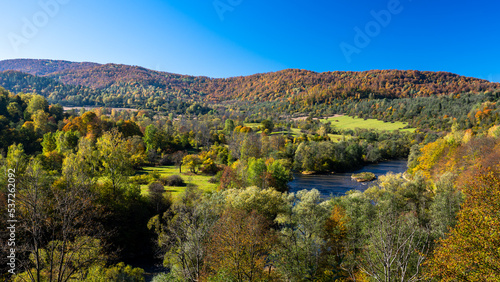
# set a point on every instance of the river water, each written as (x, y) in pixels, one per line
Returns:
(339, 183)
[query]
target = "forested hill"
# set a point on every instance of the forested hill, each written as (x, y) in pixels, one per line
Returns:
(321, 87)
(55, 91)
(42, 67)
(130, 82)
(109, 75)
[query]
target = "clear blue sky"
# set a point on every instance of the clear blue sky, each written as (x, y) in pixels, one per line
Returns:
(251, 36)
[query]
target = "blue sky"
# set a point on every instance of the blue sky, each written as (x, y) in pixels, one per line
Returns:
(224, 38)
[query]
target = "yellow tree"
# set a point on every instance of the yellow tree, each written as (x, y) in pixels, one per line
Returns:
(193, 162)
(471, 251)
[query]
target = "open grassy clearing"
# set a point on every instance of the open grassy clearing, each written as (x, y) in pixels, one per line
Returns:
(252, 125)
(347, 122)
(201, 181)
(338, 137)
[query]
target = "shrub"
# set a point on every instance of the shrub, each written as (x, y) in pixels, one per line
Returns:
(166, 160)
(173, 180)
(141, 179)
(156, 188)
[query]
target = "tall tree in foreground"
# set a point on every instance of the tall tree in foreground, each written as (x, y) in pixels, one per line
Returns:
(240, 243)
(299, 255)
(182, 233)
(471, 251)
(59, 228)
(114, 157)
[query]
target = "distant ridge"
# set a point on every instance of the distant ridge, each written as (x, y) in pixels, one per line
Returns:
(42, 67)
(290, 84)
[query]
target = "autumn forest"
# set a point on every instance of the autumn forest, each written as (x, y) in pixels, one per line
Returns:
(119, 173)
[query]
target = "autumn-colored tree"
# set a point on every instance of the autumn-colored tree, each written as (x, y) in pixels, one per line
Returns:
(240, 243)
(128, 128)
(335, 236)
(230, 179)
(431, 154)
(470, 252)
(88, 125)
(193, 162)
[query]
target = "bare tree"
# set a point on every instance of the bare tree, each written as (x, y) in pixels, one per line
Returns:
(59, 225)
(396, 248)
(177, 159)
(184, 235)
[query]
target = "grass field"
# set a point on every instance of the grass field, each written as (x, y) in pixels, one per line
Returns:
(253, 125)
(347, 122)
(201, 181)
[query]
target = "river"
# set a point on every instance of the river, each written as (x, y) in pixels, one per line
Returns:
(339, 183)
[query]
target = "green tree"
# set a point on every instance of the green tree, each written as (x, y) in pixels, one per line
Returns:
(56, 111)
(256, 172)
(298, 256)
(445, 206)
(49, 142)
(40, 121)
(114, 158)
(229, 126)
(67, 141)
(268, 124)
(153, 138)
(118, 272)
(280, 175)
(267, 202)
(15, 110)
(37, 103)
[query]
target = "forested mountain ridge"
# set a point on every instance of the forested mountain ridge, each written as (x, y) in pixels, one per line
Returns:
(129, 83)
(127, 95)
(41, 67)
(103, 76)
(303, 84)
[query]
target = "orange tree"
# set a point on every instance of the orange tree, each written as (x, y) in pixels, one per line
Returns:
(471, 251)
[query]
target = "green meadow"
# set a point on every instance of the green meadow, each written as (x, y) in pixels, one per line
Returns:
(347, 122)
(201, 181)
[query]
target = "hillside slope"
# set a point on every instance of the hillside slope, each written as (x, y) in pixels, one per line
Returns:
(290, 84)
